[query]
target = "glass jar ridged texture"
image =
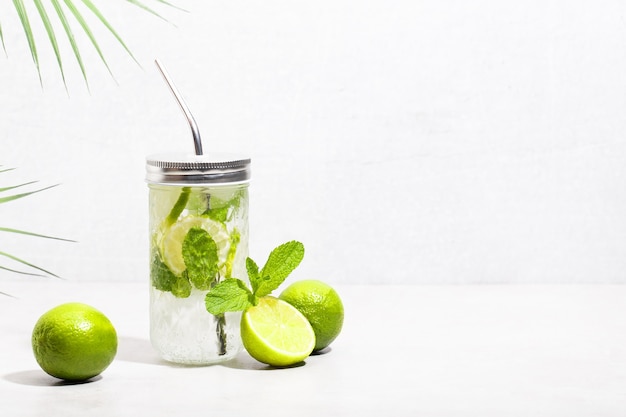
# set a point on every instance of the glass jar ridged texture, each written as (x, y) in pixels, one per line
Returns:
(198, 228)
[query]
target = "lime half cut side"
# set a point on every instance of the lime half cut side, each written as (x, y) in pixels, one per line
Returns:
(171, 244)
(276, 333)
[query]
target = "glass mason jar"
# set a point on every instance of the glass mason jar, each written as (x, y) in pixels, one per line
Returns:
(198, 237)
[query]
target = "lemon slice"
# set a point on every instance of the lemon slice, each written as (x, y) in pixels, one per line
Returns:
(276, 333)
(173, 236)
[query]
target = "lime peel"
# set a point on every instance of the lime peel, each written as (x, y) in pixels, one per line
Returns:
(321, 305)
(74, 342)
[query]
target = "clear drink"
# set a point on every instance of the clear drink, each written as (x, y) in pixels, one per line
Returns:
(198, 237)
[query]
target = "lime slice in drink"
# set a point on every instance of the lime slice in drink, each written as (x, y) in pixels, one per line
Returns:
(276, 333)
(173, 236)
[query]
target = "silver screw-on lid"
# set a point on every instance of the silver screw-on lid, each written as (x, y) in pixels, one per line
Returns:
(185, 169)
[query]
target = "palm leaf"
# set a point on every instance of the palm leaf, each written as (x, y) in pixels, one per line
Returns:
(74, 11)
(146, 8)
(22, 195)
(70, 37)
(53, 40)
(4, 48)
(21, 11)
(83, 24)
(17, 271)
(167, 4)
(23, 232)
(104, 21)
(15, 258)
(16, 186)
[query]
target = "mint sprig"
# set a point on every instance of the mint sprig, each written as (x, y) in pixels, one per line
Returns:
(233, 294)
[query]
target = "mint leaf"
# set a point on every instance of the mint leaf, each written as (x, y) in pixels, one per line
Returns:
(181, 288)
(164, 280)
(253, 274)
(200, 256)
(218, 214)
(232, 294)
(160, 275)
(281, 262)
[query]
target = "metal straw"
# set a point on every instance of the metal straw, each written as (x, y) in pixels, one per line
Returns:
(197, 141)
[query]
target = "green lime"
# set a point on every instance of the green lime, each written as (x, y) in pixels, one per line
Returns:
(172, 240)
(321, 305)
(275, 333)
(74, 342)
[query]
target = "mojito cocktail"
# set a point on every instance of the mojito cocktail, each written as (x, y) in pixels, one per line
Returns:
(198, 237)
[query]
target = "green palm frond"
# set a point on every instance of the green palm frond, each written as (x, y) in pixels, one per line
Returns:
(83, 24)
(70, 37)
(4, 48)
(77, 9)
(15, 258)
(103, 20)
(50, 31)
(12, 187)
(23, 15)
(22, 195)
(32, 269)
(23, 232)
(147, 9)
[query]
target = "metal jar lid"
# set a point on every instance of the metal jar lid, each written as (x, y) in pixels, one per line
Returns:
(185, 169)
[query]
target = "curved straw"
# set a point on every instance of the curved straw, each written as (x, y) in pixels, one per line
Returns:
(197, 141)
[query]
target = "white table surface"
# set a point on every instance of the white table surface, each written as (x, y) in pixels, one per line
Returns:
(404, 351)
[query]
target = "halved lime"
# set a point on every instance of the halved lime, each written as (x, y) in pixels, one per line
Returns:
(171, 244)
(276, 333)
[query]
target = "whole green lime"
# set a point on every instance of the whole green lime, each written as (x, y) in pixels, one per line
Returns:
(321, 305)
(74, 342)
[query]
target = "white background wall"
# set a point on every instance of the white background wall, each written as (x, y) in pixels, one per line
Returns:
(402, 141)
